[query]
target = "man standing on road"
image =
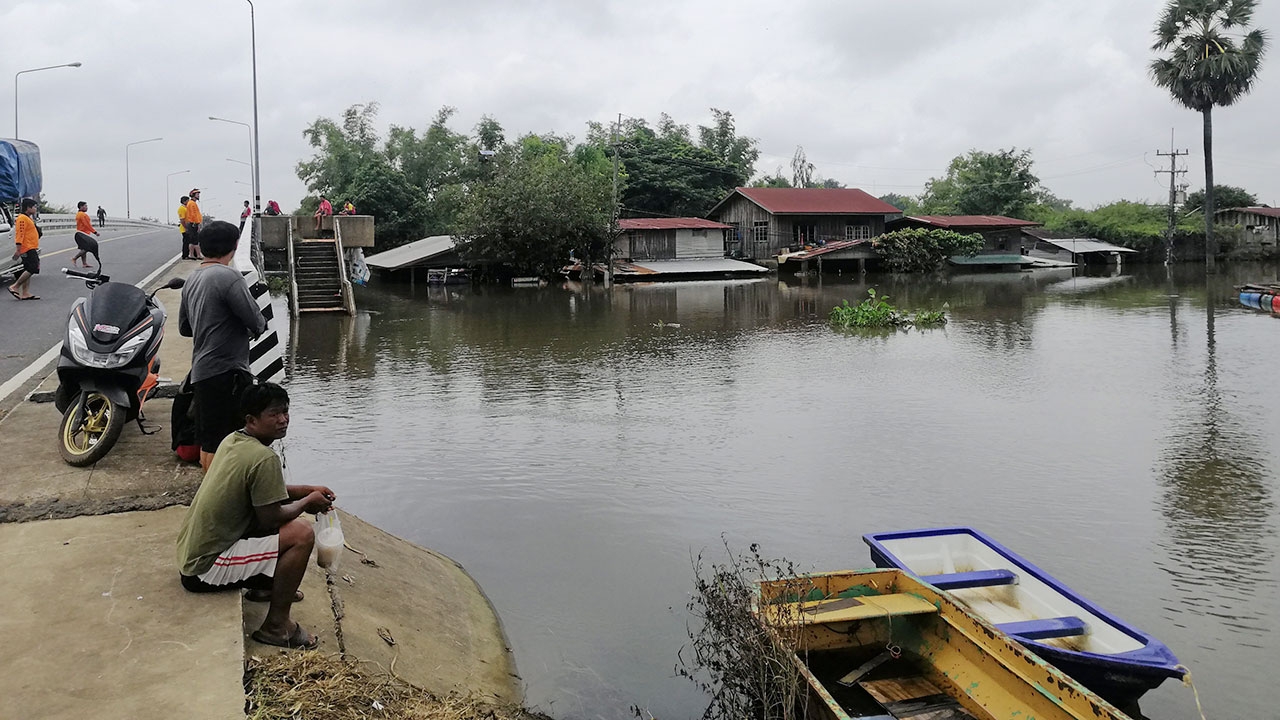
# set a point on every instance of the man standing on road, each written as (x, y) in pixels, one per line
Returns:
(220, 314)
(192, 223)
(182, 227)
(85, 245)
(243, 528)
(244, 214)
(102, 217)
(27, 238)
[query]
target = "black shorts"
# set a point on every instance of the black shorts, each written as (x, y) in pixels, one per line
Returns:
(31, 261)
(87, 243)
(217, 407)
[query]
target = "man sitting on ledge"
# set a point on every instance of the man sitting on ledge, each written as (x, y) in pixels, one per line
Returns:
(243, 528)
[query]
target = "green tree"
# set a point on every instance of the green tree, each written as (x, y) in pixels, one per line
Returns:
(1212, 60)
(721, 138)
(1224, 196)
(984, 183)
(905, 203)
(801, 169)
(341, 149)
(923, 250)
(776, 180)
(545, 200)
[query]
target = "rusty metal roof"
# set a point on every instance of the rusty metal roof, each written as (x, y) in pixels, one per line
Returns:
(813, 201)
(828, 248)
(1263, 211)
(682, 223)
(969, 221)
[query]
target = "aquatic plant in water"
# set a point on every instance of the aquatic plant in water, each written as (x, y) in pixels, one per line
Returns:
(876, 312)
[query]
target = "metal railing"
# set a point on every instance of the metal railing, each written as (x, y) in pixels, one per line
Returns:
(50, 222)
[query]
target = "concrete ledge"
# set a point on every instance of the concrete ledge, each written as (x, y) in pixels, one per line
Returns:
(163, 390)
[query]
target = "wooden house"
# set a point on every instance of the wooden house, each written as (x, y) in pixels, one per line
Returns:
(766, 221)
(1002, 236)
(669, 239)
(1262, 222)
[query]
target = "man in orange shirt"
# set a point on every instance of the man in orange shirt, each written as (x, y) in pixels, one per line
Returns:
(192, 222)
(85, 245)
(28, 240)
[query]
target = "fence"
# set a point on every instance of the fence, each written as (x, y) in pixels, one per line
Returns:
(50, 222)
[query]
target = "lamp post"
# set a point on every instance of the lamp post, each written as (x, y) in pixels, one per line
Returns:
(166, 187)
(128, 210)
(15, 88)
(246, 126)
(256, 247)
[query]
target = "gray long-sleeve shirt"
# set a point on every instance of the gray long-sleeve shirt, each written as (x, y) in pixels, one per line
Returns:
(220, 314)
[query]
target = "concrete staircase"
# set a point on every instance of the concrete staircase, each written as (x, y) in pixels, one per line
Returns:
(317, 273)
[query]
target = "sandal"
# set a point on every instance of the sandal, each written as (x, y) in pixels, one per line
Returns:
(256, 595)
(299, 639)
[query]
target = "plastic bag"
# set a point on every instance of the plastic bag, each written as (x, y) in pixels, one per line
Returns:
(329, 540)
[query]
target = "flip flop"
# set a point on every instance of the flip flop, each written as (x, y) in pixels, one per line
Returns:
(30, 297)
(299, 639)
(15, 294)
(255, 595)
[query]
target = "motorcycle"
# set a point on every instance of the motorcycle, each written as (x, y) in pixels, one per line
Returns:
(109, 365)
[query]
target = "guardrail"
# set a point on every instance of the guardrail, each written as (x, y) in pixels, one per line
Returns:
(50, 222)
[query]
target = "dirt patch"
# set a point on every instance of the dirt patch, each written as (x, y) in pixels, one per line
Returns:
(56, 509)
(322, 686)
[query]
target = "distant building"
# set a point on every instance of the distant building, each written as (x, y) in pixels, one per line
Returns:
(1263, 222)
(764, 222)
(1002, 236)
(1068, 248)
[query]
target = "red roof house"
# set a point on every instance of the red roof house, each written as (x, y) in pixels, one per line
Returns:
(766, 221)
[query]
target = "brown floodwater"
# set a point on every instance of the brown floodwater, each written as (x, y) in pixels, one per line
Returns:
(575, 448)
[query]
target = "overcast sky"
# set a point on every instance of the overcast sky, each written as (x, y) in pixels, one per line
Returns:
(881, 94)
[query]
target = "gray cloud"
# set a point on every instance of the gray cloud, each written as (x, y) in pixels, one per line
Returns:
(882, 95)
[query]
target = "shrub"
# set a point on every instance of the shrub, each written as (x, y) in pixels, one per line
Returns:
(924, 250)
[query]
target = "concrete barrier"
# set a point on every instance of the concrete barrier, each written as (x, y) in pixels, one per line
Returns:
(51, 222)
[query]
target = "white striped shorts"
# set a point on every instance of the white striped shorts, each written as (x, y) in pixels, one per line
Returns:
(246, 558)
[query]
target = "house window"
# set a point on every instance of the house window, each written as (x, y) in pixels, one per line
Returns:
(857, 232)
(804, 234)
(700, 233)
(760, 232)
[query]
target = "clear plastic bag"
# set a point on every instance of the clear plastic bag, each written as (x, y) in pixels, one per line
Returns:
(329, 540)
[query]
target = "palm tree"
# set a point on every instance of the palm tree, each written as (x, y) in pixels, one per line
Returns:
(1213, 58)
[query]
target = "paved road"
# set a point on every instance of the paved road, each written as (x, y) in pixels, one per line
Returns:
(29, 328)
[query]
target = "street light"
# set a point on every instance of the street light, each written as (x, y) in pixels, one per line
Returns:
(248, 127)
(15, 88)
(166, 187)
(128, 211)
(256, 244)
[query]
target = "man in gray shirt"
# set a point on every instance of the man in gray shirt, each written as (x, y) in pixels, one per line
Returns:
(220, 314)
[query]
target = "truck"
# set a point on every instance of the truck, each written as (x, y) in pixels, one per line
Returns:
(20, 177)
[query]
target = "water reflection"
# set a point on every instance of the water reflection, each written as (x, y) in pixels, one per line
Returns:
(572, 446)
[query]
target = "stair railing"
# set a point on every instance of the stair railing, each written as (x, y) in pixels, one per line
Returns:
(348, 294)
(293, 280)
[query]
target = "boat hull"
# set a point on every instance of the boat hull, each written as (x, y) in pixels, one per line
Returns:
(1115, 659)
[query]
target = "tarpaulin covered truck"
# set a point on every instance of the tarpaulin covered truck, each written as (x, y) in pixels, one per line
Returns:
(20, 177)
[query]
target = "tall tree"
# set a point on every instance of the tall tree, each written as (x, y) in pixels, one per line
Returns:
(1212, 60)
(1224, 196)
(984, 183)
(721, 138)
(801, 169)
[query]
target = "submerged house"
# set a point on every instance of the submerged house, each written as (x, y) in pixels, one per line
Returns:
(764, 222)
(1054, 248)
(1002, 237)
(675, 249)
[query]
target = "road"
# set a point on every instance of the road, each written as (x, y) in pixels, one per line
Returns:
(28, 329)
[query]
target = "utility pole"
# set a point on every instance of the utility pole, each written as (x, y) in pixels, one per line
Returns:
(613, 222)
(1174, 172)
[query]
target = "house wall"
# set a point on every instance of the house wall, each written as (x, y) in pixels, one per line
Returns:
(1265, 230)
(697, 244)
(1002, 241)
(780, 230)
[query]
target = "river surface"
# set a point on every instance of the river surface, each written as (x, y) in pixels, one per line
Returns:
(575, 450)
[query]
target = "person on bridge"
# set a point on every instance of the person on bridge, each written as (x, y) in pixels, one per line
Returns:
(325, 209)
(192, 223)
(27, 238)
(182, 227)
(220, 314)
(244, 214)
(273, 208)
(244, 530)
(85, 244)
(348, 208)
(102, 217)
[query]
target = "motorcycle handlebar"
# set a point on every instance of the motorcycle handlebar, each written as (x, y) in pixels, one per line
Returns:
(93, 277)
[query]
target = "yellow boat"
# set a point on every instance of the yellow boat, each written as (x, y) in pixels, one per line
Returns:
(881, 644)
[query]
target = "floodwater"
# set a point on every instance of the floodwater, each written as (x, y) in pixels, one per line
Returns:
(575, 450)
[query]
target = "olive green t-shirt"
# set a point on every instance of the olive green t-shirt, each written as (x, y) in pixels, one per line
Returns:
(245, 474)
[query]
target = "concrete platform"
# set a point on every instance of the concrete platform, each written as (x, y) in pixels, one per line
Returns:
(95, 624)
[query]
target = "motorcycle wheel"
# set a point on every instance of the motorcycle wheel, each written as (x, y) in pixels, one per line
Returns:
(95, 436)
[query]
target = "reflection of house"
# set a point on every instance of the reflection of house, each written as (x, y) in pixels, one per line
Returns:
(1002, 236)
(765, 221)
(1063, 247)
(1263, 222)
(675, 249)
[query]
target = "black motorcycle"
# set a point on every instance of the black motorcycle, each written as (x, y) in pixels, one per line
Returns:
(109, 365)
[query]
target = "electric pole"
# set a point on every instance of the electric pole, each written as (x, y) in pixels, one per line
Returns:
(1174, 172)
(613, 222)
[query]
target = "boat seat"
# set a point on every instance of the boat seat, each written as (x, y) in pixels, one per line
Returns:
(851, 609)
(975, 578)
(1046, 628)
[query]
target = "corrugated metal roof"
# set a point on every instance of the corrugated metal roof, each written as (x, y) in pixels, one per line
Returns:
(690, 267)
(828, 248)
(1083, 245)
(1263, 211)
(1005, 259)
(814, 201)
(683, 223)
(415, 252)
(970, 221)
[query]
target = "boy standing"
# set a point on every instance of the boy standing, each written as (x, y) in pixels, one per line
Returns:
(192, 222)
(27, 239)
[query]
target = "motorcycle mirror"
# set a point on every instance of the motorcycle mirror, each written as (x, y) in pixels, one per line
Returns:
(175, 283)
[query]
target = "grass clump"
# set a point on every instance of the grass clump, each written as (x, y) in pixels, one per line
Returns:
(876, 312)
(316, 686)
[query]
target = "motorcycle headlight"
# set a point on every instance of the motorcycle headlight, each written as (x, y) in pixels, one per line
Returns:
(80, 349)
